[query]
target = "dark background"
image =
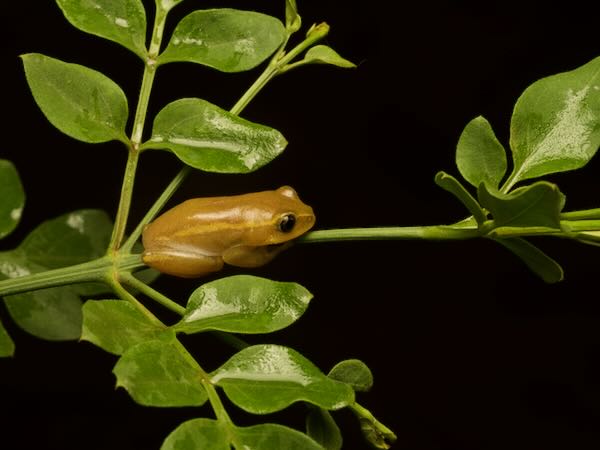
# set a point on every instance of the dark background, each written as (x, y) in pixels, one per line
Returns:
(469, 350)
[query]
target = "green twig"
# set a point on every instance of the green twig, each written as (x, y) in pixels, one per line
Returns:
(132, 281)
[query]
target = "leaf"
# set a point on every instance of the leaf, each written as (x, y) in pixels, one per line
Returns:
(452, 185)
(55, 313)
(228, 40)
(79, 101)
(116, 325)
(198, 434)
(322, 54)
(7, 346)
(539, 263)
(12, 198)
(122, 21)
(206, 137)
(267, 378)
(69, 239)
(321, 427)
(160, 373)
(480, 157)
(555, 125)
(293, 21)
(536, 205)
(353, 372)
(273, 436)
(244, 304)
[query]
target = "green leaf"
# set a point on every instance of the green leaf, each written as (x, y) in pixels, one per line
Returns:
(198, 434)
(322, 428)
(244, 304)
(536, 205)
(539, 263)
(452, 185)
(322, 54)
(12, 198)
(228, 40)
(7, 346)
(69, 239)
(121, 21)
(273, 436)
(55, 313)
(252, 377)
(293, 21)
(160, 373)
(116, 325)
(480, 157)
(79, 101)
(206, 137)
(555, 125)
(353, 372)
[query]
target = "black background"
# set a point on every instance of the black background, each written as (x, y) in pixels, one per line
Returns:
(469, 350)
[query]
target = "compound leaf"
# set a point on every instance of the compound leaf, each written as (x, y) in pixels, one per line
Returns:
(207, 137)
(116, 325)
(480, 157)
(244, 304)
(555, 125)
(121, 21)
(79, 101)
(160, 373)
(196, 434)
(251, 377)
(228, 40)
(12, 198)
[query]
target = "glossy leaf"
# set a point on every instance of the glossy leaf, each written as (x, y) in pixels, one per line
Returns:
(251, 377)
(554, 126)
(7, 346)
(273, 436)
(293, 21)
(322, 54)
(55, 313)
(121, 21)
(12, 198)
(353, 372)
(79, 101)
(198, 434)
(537, 261)
(116, 325)
(480, 157)
(244, 304)
(321, 427)
(228, 40)
(70, 239)
(159, 373)
(537, 205)
(206, 137)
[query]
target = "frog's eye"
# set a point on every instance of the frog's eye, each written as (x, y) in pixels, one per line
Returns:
(286, 223)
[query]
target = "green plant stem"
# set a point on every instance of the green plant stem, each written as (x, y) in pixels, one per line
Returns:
(137, 133)
(91, 271)
(132, 281)
(364, 413)
(431, 232)
(585, 214)
(111, 280)
(277, 65)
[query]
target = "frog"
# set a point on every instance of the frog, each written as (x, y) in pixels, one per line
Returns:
(201, 235)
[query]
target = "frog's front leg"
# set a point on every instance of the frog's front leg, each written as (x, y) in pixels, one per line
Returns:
(248, 256)
(190, 265)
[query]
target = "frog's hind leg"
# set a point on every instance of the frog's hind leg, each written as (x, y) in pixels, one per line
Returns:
(184, 266)
(247, 256)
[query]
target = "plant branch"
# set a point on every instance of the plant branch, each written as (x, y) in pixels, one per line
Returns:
(132, 281)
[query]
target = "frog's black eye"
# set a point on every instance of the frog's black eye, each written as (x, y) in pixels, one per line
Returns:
(287, 223)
